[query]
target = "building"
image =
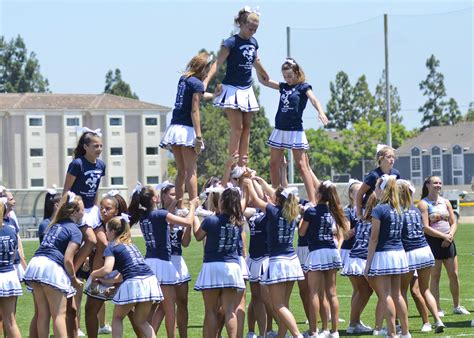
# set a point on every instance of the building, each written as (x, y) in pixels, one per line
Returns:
(39, 136)
(446, 151)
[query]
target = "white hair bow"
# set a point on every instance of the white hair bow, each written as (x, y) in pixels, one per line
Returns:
(380, 147)
(328, 183)
(408, 183)
(51, 191)
(125, 217)
(81, 130)
(232, 187)
(255, 10)
(138, 188)
(2, 188)
(290, 61)
(4, 200)
(163, 185)
(218, 188)
(210, 58)
(385, 179)
(290, 191)
(71, 196)
(112, 193)
(353, 181)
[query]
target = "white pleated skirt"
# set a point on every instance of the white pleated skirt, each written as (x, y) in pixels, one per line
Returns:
(420, 258)
(217, 275)
(354, 267)
(19, 271)
(178, 135)
(43, 270)
(257, 267)
(182, 268)
(101, 291)
(138, 290)
(91, 217)
(323, 259)
(284, 268)
(392, 262)
(237, 98)
(344, 253)
(244, 268)
(10, 285)
(286, 139)
(302, 252)
(164, 271)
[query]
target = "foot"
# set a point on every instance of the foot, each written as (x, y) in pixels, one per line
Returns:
(80, 333)
(426, 327)
(439, 327)
(460, 310)
(251, 335)
(106, 329)
(361, 328)
(441, 313)
(382, 332)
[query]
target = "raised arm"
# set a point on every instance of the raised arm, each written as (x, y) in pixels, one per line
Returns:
(184, 221)
(315, 102)
(256, 201)
(221, 57)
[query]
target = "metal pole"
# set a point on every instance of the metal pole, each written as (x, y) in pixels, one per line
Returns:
(291, 172)
(388, 116)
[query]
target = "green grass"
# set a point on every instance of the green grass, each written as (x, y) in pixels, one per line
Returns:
(457, 324)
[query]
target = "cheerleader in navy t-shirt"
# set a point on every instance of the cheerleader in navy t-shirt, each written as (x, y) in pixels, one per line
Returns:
(289, 133)
(10, 287)
(323, 259)
(139, 289)
(237, 96)
(183, 136)
(155, 227)
(386, 258)
(385, 158)
(51, 202)
(283, 267)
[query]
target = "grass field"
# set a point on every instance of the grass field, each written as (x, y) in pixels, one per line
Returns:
(458, 325)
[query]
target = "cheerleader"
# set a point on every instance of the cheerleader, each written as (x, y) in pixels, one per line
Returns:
(283, 267)
(10, 287)
(419, 255)
(221, 277)
(139, 289)
(51, 202)
(183, 136)
(237, 97)
(51, 271)
(323, 259)
(289, 133)
(385, 159)
(386, 259)
(154, 224)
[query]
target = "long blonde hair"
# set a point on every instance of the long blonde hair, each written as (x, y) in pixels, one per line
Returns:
(198, 65)
(390, 193)
(290, 208)
(66, 209)
(406, 196)
(122, 230)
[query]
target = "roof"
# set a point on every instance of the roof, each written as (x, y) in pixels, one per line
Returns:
(47, 101)
(444, 137)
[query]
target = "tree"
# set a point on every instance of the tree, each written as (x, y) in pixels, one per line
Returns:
(116, 86)
(436, 111)
(20, 72)
(363, 101)
(470, 113)
(381, 103)
(340, 107)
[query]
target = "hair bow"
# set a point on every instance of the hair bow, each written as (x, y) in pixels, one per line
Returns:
(4, 200)
(71, 196)
(138, 188)
(385, 179)
(328, 183)
(125, 217)
(408, 183)
(163, 185)
(290, 191)
(290, 61)
(255, 10)
(210, 58)
(51, 191)
(234, 188)
(112, 193)
(81, 130)
(218, 188)
(353, 181)
(380, 147)
(2, 189)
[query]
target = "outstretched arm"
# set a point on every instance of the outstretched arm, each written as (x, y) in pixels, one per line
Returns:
(317, 106)
(221, 57)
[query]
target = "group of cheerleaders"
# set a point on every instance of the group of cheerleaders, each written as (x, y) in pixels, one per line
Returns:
(380, 240)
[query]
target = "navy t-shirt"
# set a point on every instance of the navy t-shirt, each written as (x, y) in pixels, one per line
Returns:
(9, 221)
(351, 217)
(88, 177)
(176, 234)
(184, 98)
(320, 227)
(57, 238)
(371, 180)
(413, 236)
(42, 228)
(8, 248)
(293, 101)
(258, 246)
(222, 239)
(280, 232)
(391, 223)
(360, 249)
(242, 55)
(128, 260)
(156, 232)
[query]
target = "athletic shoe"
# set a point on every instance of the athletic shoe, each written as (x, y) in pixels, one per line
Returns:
(359, 328)
(271, 334)
(334, 334)
(408, 335)
(441, 313)
(382, 332)
(426, 327)
(80, 333)
(439, 327)
(106, 329)
(201, 212)
(472, 322)
(251, 335)
(460, 310)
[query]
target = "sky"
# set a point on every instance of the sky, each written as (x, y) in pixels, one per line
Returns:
(77, 42)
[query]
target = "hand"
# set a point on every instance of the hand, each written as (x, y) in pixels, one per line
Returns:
(366, 273)
(195, 201)
(233, 159)
(445, 244)
(198, 143)
(76, 283)
(324, 119)
(218, 90)
(86, 266)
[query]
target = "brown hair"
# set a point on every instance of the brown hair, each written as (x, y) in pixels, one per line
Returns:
(122, 230)
(351, 190)
(328, 195)
(382, 153)
(424, 189)
(230, 205)
(2, 211)
(141, 203)
(66, 209)
(370, 205)
(244, 16)
(85, 139)
(198, 65)
(291, 64)
(290, 206)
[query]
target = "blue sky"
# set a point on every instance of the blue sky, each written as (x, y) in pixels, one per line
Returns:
(77, 42)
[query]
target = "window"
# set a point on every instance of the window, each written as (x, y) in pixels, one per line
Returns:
(37, 182)
(72, 121)
(70, 151)
(36, 152)
(116, 151)
(35, 121)
(436, 162)
(416, 165)
(152, 150)
(116, 181)
(152, 180)
(115, 121)
(458, 165)
(151, 121)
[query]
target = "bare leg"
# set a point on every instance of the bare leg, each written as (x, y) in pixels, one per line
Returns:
(451, 265)
(276, 157)
(190, 167)
(245, 136)
(211, 306)
(435, 277)
(302, 164)
(236, 126)
(423, 281)
(182, 309)
(180, 174)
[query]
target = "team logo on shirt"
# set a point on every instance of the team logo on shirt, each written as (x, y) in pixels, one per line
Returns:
(94, 176)
(248, 52)
(284, 97)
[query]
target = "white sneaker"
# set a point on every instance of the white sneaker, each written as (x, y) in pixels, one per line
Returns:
(362, 328)
(426, 327)
(106, 329)
(251, 335)
(460, 310)
(439, 327)
(80, 333)
(441, 313)
(334, 334)
(382, 332)
(408, 335)
(472, 322)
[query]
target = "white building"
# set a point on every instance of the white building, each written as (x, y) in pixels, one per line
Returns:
(38, 135)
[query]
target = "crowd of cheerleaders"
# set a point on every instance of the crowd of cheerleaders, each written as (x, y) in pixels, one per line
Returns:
(381, 241)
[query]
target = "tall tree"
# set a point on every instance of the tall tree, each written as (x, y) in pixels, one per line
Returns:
(20, 72)
(363, 101)
(340, 109)
(381, 102)
(116, 86)
(470, 113)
